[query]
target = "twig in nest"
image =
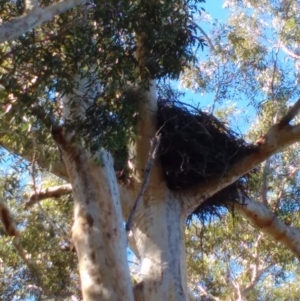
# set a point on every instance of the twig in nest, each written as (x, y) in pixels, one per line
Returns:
(152, 155)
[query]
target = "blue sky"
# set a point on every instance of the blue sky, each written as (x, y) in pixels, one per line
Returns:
(217, 12)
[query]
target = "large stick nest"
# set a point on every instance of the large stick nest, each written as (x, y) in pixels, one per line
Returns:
(196, 147)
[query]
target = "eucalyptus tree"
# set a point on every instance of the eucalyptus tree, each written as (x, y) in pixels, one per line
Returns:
(90, 85)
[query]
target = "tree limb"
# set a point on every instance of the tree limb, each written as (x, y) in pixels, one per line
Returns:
(34, 17)
(247, 290)
(209, 41)
(276, 139)
(291, 114)
(7, 220)
(52, 192)
(205, 293)
(270, 224)
(290, 52)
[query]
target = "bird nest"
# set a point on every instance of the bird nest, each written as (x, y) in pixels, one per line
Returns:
(196, 147)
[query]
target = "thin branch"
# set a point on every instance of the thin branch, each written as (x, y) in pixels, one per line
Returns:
(52, 192)
(274, 71)
(291, 114)
(36, 16)
(290, 52)
(238, 290)
(47, 217)
(246, 291)
(152, 155)
(205, 293)
(210, 43)
(265, 182)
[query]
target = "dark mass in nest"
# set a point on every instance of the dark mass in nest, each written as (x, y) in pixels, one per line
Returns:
(196, 146)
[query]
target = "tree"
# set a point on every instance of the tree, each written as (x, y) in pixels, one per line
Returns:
(91, 83)
(230, 259)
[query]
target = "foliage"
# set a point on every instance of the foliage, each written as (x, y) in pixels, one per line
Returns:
(98, 42)
(45, 238)
(256, 64)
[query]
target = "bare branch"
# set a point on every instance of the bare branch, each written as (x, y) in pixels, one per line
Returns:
(276, 139)
(291, 114)
(290, 52)
(33, 18)
(238, 290)
(265, 182)
(271, 225)
(52, 192)
(210, 43)
(246, 291)
(147, 172)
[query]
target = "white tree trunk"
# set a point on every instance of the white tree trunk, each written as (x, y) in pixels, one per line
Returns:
(158, 234)
(98, 232)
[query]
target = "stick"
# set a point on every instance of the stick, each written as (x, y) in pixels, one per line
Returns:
(152, 155)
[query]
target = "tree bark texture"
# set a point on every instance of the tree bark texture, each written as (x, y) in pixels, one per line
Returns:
(98, 232)
(158, 237)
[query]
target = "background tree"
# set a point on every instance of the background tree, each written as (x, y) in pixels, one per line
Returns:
(92, 83)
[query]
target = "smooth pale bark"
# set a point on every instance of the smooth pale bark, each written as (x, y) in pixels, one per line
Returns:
(158, 236)
(33, 17)
(271, 225)
(98, 232)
